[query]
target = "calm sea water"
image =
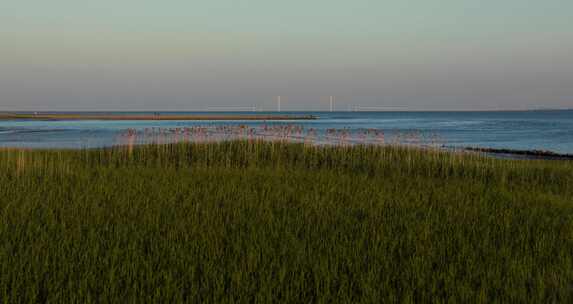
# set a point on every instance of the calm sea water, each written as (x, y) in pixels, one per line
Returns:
(543, 130)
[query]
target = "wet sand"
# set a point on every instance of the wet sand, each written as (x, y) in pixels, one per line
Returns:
(12, 116)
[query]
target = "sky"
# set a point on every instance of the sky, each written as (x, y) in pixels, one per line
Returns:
(174, 55)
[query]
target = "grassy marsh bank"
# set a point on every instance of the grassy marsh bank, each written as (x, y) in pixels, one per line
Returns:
(245, 221)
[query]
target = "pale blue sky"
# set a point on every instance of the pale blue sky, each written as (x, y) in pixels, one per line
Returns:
(180, 55)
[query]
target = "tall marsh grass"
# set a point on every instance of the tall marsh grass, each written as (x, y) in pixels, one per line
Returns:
(246, 221)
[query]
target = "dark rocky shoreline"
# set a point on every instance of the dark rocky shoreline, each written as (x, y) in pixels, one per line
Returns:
(521, 154)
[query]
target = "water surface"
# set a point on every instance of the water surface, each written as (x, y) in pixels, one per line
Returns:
(524, 130)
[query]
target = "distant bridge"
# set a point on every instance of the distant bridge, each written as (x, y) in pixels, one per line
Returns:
(359, 108)
(233, 109)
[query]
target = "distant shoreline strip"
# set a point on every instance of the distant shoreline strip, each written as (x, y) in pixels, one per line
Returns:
(153, 117)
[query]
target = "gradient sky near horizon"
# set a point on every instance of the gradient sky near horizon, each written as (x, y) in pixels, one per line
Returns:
(191, 55)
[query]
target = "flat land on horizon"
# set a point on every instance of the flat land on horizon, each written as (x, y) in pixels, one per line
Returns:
(88, 116)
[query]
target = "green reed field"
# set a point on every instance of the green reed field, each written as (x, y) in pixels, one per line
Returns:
(277, 222)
